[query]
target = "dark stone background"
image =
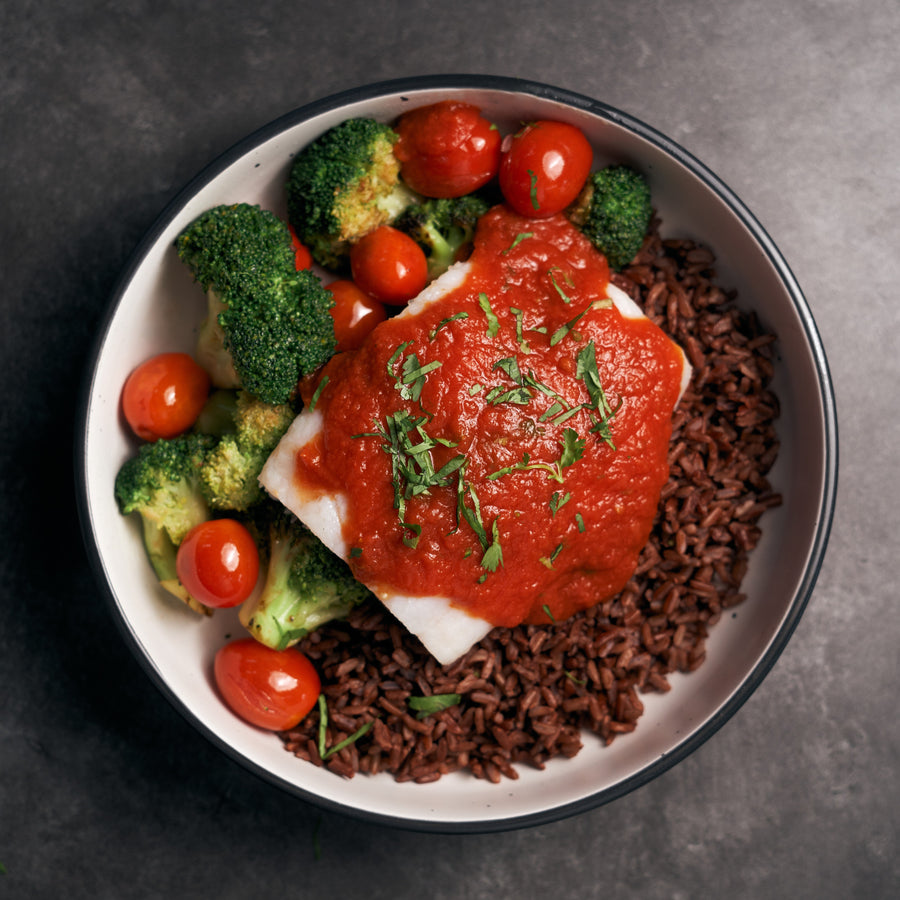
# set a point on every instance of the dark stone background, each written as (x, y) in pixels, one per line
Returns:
(106, 110)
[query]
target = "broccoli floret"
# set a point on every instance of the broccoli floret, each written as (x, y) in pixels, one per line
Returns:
(162, 484)
(230, 473)
(614, 212)
(268, 325)
(306, 585)
(443, 228)
(343, 185)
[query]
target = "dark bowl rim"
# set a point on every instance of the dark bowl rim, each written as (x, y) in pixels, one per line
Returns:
(582, 102)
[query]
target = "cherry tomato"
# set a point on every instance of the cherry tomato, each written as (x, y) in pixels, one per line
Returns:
(218, 563)
(268, 688)
(447, 149)
(163, 396)
(355, 314)
(389, 265)
(302, 256)
(544, 168)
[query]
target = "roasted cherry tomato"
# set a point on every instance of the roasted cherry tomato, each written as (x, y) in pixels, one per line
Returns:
(302, 256)
(218, 563)
(355, 313)
(544, 168)
(268, 688)
(447, 149)
(163, 396)
(389, 265)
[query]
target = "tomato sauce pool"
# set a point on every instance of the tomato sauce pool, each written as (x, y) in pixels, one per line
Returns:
(504, 445)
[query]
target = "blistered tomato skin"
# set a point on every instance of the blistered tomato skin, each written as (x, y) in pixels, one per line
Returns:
(163, 396)
(270, 689)
(447, 149)
(544, 168)
(389, 266)
(218, 563)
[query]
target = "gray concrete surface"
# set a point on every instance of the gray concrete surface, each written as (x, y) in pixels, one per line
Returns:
(106, 110)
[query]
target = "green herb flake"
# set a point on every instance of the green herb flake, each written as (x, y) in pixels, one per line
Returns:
(324, 751)
(568, 279)
(411, 534)
(444, 322)
(323, 725)
(521, 236)
(579, 521)
(493, 555)
(549, 560)
(563, 330)
(586, 370)
(318, 393)
(520, 329)
(355, 552)
(352, 739)
(493, 326)
(581, 682)
(558, 500)
(546, 609)
(434, 703)
(573, 448)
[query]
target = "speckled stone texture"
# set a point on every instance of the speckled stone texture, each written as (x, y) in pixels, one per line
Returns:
(106, 110)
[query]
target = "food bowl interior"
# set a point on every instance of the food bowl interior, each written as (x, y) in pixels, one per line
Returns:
(158, 307)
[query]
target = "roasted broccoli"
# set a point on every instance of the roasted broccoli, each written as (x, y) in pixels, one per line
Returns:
(268, 325)
(443, 228)
(614, 212)
(343, 185)
(229, 475)
(305, 585)
(162, 483)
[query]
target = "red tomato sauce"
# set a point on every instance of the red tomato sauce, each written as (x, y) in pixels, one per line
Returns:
(569, 529)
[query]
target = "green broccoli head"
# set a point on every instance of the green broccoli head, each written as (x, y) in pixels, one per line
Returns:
(268, 325)
(230, 473)
(162, 484)
(306, 585)
(614, 212)
(443, 227)
(343, 185)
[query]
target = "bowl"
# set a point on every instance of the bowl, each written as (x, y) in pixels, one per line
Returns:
(155, 307)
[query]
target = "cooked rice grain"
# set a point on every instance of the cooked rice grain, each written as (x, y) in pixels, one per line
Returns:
(531, 693)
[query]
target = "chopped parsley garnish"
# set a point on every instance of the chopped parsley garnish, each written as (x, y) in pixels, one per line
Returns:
(410, 379)
(520, 329)
(317, 393)
(492, 552)
(521, 236)
(573, 449)
(447, 321)
(549, 560)
(426, 706)
(563, 295)
(325, 752)
(586, 370)
(412, 466)
(558, 500)
(563, 330)
(493, 322)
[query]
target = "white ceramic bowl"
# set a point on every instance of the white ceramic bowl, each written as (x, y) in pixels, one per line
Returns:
(156, 307)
